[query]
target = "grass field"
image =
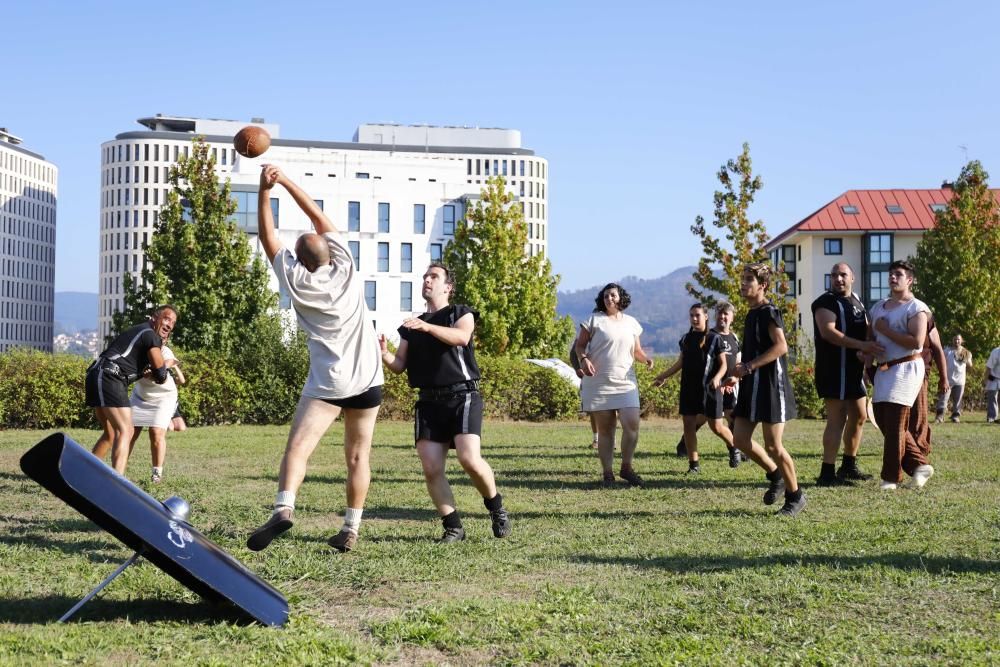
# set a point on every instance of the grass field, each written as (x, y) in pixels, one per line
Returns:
(683, 571)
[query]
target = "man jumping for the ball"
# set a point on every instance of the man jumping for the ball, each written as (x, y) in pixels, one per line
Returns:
(345, 371)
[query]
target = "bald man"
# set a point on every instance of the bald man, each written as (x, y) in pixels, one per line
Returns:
(345, 368)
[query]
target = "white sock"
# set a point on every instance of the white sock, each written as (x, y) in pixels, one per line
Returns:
(285, 499)
(158, 470)
(352, 519)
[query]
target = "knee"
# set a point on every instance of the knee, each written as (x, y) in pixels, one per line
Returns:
(470, 460)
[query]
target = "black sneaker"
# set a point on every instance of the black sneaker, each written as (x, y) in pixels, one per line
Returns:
(280, 521)
(608, 480)
(852, 473)
(792, 507)
(501, 523)
(452, 535)
(776, 488)
(735, 458)
(694, 469)
(682, 450)
(630, 477)
(833, 480)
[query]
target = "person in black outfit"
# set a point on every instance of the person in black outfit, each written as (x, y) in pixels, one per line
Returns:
(765, 395)
(840, 329)
(436, 351)
(131, 354)
(702, 363)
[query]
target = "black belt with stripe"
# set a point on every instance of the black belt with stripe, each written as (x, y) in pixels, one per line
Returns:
(444, 391)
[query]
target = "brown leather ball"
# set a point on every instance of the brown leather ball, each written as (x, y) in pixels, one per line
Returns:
(252, 141)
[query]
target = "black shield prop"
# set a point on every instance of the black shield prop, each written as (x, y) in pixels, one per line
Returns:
(144, 524)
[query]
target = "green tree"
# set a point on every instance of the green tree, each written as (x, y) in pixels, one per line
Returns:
(722, 260)
(514, 294)
(200, 261)
(958, 263)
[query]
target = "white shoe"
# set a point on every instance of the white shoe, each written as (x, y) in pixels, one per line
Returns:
(921, 475)
(886, 486)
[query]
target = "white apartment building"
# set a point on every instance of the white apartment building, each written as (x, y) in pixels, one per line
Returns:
(28, 251)
(396, 191)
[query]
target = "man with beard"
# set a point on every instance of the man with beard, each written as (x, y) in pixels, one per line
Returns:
(840, 329)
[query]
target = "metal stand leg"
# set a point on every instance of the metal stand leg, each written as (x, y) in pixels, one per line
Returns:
(100, 586)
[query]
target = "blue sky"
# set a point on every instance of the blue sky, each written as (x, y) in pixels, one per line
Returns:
(635, 105)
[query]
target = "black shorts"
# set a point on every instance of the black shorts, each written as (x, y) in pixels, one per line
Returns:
(714, 404)
(729, 400)
(441, 419)
(105, 390)
(371, 398)
(848, 386)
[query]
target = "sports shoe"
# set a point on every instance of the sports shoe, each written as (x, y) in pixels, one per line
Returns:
(157, 478)
(593, 444)
(920, 476)
(682, 450)
(833, 480)
(343, 541)
(852, 473)
(792, 507)
(939, 420)
(501, 523)
(280, 521)
(452, 535)
(608, 480)
(954, 420)
(735, 458)
(630, 477)
(693, 469)
(776, 488)
(886, 486)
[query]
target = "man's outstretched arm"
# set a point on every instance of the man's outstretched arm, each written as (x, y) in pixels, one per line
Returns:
(319, 220)
(265, 220)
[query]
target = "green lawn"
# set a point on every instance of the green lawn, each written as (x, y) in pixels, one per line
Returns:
(683, 571)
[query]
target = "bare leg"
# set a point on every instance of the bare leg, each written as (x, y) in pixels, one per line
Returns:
(359, 427)
(312, 418)
(629, 419)
(777, 451)
(117, 421)
(606, 424)
(158, 446)
(742, 438)
(432, 458)
(691, 436)
(856, 417)
(836, 418)
(467, 446)
(103, 445)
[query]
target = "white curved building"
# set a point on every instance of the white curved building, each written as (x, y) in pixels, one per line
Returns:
(28, 251)
(396, 191)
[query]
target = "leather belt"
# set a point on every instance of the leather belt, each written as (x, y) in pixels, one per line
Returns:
(884, 366)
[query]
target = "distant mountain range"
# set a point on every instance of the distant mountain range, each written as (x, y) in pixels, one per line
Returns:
(660, 304)
(74, 312)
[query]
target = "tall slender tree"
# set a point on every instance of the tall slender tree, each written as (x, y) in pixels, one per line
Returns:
(720, 266)
(515, 294)
(199, 260)
(958, 263)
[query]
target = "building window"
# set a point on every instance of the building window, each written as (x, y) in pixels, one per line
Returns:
(354, 216)
(419, 218)
(938, 208)
(833, 246)
(406, 296)
(370, 300)
(246, 210)
(383, 217)
(435, 252)
(406, 258)
(274, 210)
(878, 286)
(361, 174)
(383, 256)
(449, 220)
(319, 203)
(895, 209)
(786, 254)
(879, 249)
(850, 209)
(355, 248)
(826, 281)
(877, 257)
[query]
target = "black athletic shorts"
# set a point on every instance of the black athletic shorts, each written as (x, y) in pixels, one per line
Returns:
(714, 404)
(105, 389)
(371, 398)
(440, 419)
(729, 400)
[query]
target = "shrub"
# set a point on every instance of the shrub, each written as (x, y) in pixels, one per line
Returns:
(273, 362)
(41, 390)
(808, 402)
(214, 393)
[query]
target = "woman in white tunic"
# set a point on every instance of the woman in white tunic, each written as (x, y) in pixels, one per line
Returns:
(607, 346)
(899, 324)
(153, 407)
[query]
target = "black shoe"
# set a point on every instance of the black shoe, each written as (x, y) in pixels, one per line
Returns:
(682, 450)
(630, 477)
(735, 458)
(776, 488)
(608, 480)
(280, 521)
(452, 535)
(833, 480)
(852, 473)
(792, 507)
(501, 523)
(694, 469)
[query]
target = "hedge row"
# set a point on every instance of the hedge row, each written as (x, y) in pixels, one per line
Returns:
(42, 391)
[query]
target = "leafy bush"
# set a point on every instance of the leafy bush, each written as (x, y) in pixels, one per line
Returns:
(273, 362)
(214, 393)
(808, 402)
(41, 390)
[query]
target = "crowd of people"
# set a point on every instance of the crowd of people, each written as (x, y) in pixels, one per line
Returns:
(732, 384)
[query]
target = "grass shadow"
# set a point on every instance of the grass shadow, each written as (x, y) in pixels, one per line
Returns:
(152, 610)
